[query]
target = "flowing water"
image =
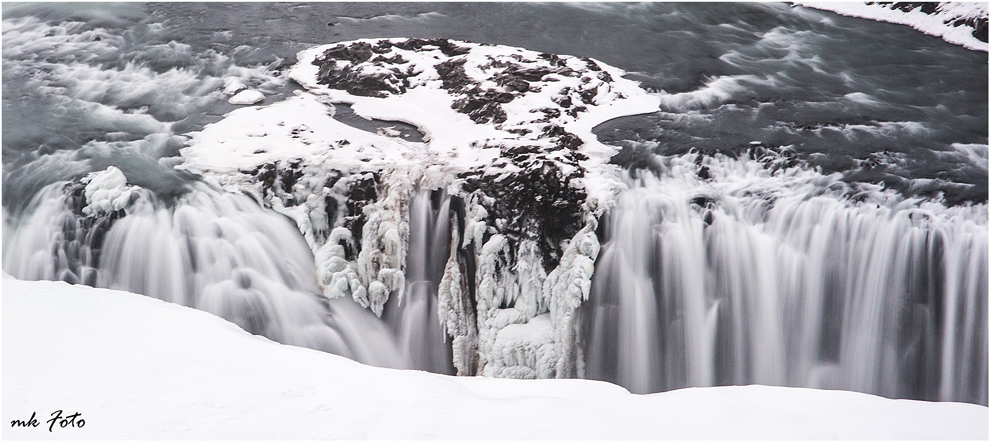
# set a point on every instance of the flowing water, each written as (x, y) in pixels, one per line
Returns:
(413, 313)
(807, 208)
(784, 280)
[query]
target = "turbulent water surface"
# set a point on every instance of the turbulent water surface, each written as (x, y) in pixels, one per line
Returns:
(806, 207)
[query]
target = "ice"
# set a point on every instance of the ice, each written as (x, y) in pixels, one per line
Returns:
(454, 306)
(336, 275)
(383, 243)
(568, 286)
(524, 350)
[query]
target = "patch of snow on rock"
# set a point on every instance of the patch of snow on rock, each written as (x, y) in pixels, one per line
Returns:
(247, 97)
(106, 191)
(955, 22)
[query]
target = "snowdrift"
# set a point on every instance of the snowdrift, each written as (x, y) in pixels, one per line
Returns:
(137, 367)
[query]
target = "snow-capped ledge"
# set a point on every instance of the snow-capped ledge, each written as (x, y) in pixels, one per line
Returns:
(106, 191)
(134, 367)
(955, 22)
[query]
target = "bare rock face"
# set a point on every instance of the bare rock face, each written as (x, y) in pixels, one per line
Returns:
(507, 140)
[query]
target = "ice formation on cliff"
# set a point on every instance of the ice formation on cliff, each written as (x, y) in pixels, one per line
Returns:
(507, 135)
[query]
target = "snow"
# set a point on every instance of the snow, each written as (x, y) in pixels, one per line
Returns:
(137, 367)
(939, 24)
(247, 97)
(451, 136)
(461, 142)
(106, 191)
(300, 127)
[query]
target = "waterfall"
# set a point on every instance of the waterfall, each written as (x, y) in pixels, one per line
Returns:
(214, 251)
(224, 254)
(788, 278)
(413, 312)
(791, 279)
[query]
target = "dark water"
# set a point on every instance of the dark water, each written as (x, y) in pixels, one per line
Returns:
(86, 86)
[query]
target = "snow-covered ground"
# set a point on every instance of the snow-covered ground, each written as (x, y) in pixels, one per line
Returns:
(952, 21)
(136, 367)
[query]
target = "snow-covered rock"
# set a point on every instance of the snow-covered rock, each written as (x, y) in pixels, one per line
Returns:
(247, 97)
(961, 23)
(106, 191)
(508, 134)
(134, 367)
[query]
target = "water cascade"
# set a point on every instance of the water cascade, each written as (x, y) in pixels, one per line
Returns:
(413, 312)
(213, 251)
(786, 280)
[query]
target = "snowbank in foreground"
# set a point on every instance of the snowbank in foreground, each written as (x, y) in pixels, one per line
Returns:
(137, 367)
(954, 22)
